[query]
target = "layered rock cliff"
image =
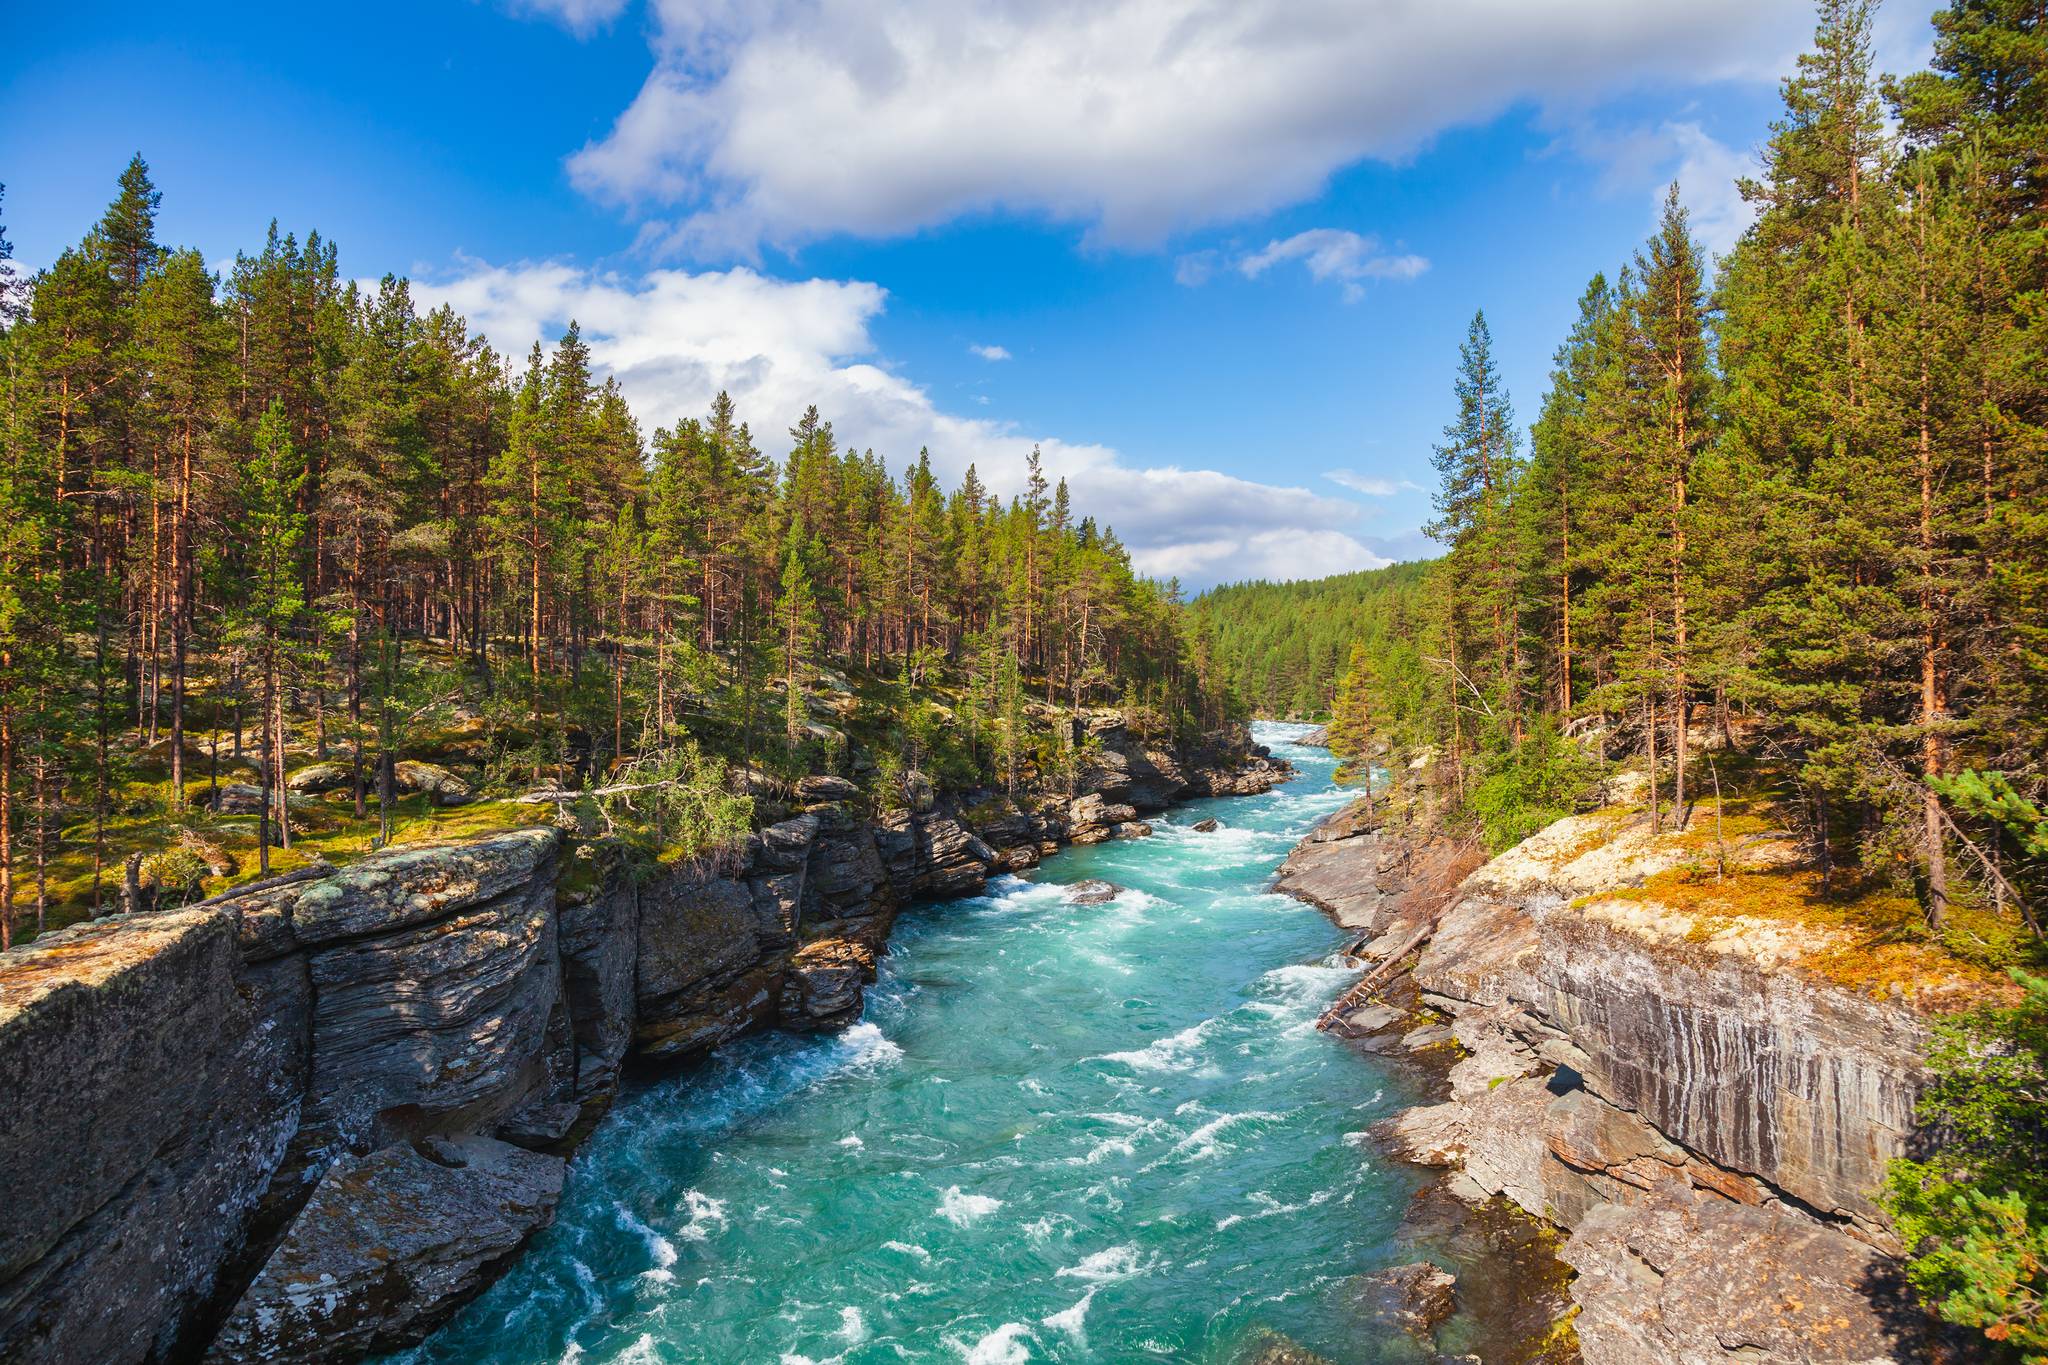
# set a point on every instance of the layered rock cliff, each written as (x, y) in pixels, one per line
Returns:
(308, 1119)
(1704, 1114)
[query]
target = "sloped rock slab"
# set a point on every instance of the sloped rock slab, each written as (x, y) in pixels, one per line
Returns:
(389, 1246)
(1686, 1279)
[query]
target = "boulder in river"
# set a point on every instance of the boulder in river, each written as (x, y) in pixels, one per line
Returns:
(1208, 826)
(1413, 1298)
(1270, 1348)
(1093, 891)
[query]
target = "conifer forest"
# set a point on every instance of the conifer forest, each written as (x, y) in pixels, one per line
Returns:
(297, 571)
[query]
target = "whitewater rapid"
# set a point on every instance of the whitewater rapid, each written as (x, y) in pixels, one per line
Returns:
(1059, 1133)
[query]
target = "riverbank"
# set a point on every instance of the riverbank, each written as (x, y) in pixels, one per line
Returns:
(307, 1120)
(1065, 1130)
(1700, 1113)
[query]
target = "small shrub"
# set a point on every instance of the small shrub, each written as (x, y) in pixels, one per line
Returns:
(1974, 1211)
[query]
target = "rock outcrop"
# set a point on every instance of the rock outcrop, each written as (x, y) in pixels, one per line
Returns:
(153, 1083)
(1707, 1121)
(442, 1217)
(307, 1119)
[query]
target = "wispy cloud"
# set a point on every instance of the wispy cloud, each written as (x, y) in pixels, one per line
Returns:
(1643, 159)
(1371, 485)
(1348, 258)
(990, 352)
(580, 17)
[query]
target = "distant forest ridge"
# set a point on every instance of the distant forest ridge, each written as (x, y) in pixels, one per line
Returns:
(1282, 647)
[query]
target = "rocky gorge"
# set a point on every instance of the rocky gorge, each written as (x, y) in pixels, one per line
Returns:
(307, 1119)
(1702, 1116)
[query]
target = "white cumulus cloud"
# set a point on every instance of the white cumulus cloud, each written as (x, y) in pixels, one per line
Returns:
(779, 121)
(674, 338)
(990, 352)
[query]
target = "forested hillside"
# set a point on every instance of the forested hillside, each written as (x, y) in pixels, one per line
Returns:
(1779, 537)
(1283, 646)
(283, 515)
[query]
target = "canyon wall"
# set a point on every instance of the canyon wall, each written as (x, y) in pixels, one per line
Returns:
(1705, 1118)
(306, 1120)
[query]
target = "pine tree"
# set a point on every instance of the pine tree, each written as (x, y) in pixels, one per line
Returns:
(271, 531)
(1670, 328)
(1478, 464)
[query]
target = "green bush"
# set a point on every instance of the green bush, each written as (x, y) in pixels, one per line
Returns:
(1974, 1211)
(1523, 787)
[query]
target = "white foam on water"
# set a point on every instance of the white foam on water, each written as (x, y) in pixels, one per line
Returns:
(1105, 1266)
(640, 1352)
(1269, 1207)
(965, 1210)
(1206, 1141)
(852, 1141)
(1073, 1321)
(853, 1328)
(1040, 1230)
(659, 1247)
(1000, 1347)
(1305, 987)
(909, 1249)
(707, 1215)
(1175, 1052)
(867, 1050)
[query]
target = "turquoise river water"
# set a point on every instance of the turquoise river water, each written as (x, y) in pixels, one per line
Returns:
(1059, 1133)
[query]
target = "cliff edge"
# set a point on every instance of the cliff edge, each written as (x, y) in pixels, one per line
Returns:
(308, 1119)
(1657, 1054)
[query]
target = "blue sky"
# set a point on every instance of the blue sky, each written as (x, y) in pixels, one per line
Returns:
(1211, 254)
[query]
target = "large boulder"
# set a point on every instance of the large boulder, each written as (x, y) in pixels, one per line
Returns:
(1414, 1298)
(444, 787)
(319, 777)
(152, 1086)
(387, 1248)
(1090, 819)
(824, 987)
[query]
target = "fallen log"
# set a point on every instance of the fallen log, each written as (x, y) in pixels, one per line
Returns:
(1369, 985)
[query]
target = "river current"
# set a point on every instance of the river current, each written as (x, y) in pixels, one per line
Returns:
(1059, 1133)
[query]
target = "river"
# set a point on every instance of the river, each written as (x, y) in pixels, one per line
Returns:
(1059, 1133)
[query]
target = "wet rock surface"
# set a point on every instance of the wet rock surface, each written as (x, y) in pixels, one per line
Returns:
(1415, 1298)
(1093, 891)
